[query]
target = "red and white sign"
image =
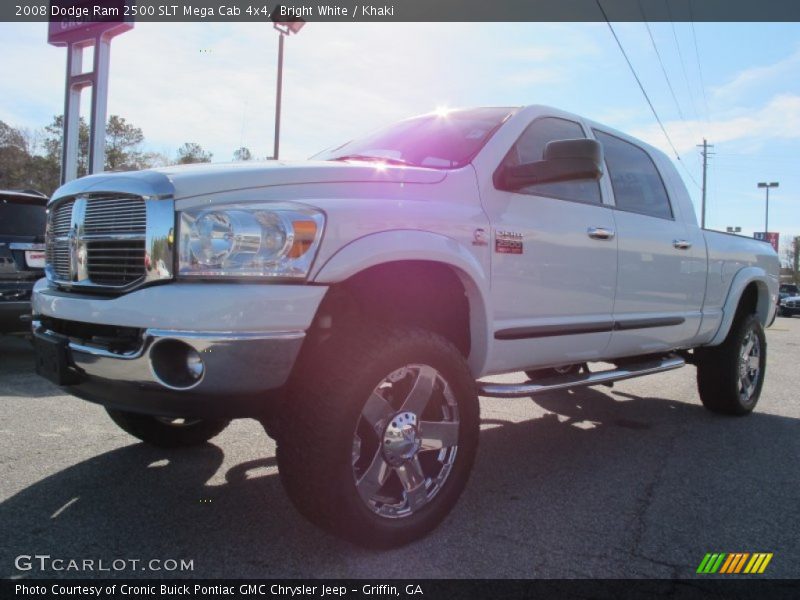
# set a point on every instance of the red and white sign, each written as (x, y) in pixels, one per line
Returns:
(75, 21)
(773, 237)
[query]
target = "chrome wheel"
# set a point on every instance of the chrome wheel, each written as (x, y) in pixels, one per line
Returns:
(749, 367)
(405, 441)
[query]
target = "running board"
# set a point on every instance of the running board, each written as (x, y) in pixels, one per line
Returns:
(552, 384)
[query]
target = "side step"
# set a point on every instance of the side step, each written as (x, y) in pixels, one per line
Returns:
(552, 384)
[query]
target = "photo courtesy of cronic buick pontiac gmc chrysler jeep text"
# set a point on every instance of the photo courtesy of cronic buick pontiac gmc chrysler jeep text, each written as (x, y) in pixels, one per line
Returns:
(353, 303)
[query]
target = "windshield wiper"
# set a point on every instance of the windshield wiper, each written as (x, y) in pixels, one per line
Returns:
(369, 158)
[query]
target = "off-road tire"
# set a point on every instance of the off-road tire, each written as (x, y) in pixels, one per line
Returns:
(320, 416)
(160, 433)
(719, 369)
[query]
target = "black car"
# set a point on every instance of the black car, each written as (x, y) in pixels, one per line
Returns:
(22, 223)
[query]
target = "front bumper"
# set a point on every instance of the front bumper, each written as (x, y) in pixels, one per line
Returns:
(243, 368)
(239, 372)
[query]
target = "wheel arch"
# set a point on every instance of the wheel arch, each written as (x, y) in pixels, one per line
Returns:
(407, 249)
(749, 293)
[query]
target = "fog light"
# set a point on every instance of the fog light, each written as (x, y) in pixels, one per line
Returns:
(176, 364)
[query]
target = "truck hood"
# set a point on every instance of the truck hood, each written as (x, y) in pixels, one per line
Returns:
(186, 181)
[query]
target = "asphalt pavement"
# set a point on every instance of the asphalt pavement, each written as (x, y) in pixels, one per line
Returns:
(633, 481)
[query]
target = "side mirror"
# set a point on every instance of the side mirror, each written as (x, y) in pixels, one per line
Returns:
(564, 160)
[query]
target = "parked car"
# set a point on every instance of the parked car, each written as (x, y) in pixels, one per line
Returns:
(22, 258)
(789, 306)
(353, 303)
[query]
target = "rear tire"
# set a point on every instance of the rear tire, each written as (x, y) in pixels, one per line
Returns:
(730, 376)
(164, 432)
(378, 438)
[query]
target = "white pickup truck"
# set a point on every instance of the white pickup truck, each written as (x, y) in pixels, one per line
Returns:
(354, 302)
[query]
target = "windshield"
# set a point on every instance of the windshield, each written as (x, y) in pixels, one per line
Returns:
(789, 288)
(445, 140)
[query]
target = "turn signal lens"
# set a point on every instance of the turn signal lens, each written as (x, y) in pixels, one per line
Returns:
(305, 232)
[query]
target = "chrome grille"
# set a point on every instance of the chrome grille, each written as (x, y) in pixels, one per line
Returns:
(98, 240)
(57, 250)
(105, 215)
(115, 262)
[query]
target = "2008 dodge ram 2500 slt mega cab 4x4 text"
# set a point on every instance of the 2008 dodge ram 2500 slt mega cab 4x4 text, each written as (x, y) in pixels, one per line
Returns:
(353, 303)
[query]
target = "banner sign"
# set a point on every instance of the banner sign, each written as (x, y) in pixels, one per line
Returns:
(771, 237)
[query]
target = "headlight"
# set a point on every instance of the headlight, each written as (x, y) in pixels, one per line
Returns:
(249, 240)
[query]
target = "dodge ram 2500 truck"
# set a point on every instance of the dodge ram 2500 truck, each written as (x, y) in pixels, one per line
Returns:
(354, 302)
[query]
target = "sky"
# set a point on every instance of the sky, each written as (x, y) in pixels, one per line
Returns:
(736, 84)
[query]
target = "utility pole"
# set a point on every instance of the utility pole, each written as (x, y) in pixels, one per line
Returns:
(278, 94)
(705, 146)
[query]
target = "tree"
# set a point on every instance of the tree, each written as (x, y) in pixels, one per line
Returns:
(192, 153)
(14, 156)
(794, 258)
(123, 141)
(243, 154)
(53, 145)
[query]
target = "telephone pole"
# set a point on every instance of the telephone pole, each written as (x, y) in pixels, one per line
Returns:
(705, 146)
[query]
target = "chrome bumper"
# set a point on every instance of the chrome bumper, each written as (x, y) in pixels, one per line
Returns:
(238, 369)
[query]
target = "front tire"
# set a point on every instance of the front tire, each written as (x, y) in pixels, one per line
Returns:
(377, 444)
(164, 432)
(730, 376)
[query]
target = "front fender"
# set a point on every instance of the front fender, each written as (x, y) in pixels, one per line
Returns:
(407, 245)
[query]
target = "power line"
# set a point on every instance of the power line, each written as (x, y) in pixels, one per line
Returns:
(661, 62)
(699, 68)
(680, 57)
(644, 93)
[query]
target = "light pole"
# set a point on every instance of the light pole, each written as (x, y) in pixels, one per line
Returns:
(285, 26)
(766, 186)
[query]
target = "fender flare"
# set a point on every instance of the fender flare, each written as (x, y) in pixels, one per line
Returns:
(764, 307)
(407, 245)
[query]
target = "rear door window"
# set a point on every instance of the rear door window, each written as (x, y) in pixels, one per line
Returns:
(637, 184)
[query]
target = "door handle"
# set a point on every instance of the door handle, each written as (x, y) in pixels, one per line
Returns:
(682, 244)
(600, 233)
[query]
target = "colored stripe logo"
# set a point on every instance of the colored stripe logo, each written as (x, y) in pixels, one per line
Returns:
(734, 562)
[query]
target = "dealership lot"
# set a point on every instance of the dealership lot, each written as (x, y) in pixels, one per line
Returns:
(634, 481)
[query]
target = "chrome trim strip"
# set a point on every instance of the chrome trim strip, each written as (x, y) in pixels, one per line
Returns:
(224, 336)
(521, 390)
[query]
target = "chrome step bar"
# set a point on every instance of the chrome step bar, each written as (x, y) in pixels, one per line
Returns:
(565, 382)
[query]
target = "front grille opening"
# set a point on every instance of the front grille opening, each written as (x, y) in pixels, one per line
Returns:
(116, 263)
(113, 338)
(111, 227)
